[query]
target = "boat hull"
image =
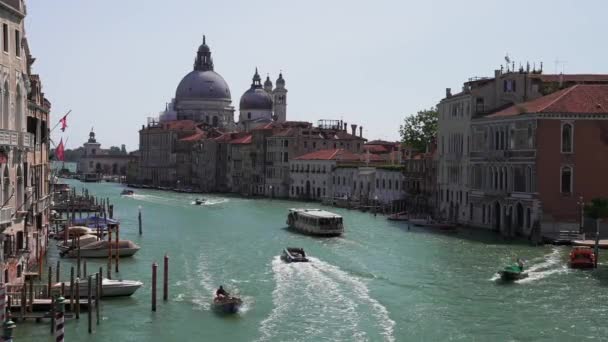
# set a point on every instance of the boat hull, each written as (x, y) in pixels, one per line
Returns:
(109, 288)
(103, 252)
(230, 306)
(512, 276)
(315, 232)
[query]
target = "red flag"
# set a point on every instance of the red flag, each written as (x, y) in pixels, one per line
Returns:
(64, 122)
(59, 150)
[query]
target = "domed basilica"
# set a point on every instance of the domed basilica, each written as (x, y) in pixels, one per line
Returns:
(204, 97)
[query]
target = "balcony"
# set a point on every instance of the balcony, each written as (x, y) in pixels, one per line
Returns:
(9, 137)
(27, 140)
(6, 215)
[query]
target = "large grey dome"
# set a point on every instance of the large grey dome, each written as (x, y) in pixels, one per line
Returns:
(255, 98)
(202, 84)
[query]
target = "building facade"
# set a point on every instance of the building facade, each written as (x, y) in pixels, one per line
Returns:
(103, 162)
(24, 151)
(479, 97)
(554, 152)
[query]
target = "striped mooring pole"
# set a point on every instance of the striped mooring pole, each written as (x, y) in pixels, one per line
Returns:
(59, 319)
(7, 323)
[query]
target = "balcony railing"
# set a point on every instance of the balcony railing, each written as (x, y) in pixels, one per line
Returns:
(8, 137)
(6, 215)
(27, 139)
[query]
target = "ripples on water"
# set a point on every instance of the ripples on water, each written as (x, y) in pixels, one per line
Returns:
(315, 300)
(542, 267)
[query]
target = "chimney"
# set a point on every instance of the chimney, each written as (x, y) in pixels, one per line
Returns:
(561, 79)
(448, 92)
(360, 131)
(353, 127)
(345, 127)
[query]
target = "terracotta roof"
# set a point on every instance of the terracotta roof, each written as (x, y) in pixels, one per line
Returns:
(571, 77)
(577, 99)
(341, 155)
(179, 125)
(242, 140)
(375, 148)
(332, 154)
(382, 142)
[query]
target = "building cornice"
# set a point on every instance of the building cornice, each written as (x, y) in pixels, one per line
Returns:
(12, 10)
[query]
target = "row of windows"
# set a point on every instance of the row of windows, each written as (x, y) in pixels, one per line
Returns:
(6, 40)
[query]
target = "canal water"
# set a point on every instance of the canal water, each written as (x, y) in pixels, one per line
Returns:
(379, 282)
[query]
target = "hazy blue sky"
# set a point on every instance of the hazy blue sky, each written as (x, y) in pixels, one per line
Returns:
(116, 62)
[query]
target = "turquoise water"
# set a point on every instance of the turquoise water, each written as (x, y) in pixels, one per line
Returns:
(379, 282)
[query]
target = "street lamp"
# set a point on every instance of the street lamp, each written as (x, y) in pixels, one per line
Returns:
(270, 191)
(375, 205)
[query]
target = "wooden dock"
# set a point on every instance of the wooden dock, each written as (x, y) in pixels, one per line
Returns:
(603, 244)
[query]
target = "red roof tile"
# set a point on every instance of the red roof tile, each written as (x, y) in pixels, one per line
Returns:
(242, 140)
(571, 77)
(179, 125)
(332, 154)
(577, 99)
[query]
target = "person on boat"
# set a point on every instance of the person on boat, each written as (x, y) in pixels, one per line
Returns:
(520, 263)
(221, 293)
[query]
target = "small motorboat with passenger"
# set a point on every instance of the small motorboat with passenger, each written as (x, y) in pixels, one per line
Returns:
(513, 272)
(227, 304)
(199, 201)
(294, 254)
(127, 192)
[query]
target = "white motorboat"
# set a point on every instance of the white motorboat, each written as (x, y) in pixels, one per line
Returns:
(73, 243)
(294, 254)
(73, 232)
(109, 287)
(100, 249)
(315, 222)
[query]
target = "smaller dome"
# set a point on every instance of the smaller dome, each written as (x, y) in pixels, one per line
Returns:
(256, 98)
(268, 82)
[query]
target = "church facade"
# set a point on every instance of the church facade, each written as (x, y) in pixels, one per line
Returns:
(197, 144)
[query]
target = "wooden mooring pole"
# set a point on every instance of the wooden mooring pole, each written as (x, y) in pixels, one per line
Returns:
(166, 278)
(78, 257)
(48, 292)
(139, 220)
(154, 267)
(97, 293)
(117, 248)
(72, 289)
(58, 270)
(77, 298)
(90, 302)
(109, 269)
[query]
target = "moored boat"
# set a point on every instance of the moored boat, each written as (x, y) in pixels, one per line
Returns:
(582, 257)
(73, 232)
(227, 305)
(294, 254)
(402, 216)
(315, 222)
(109, 287)
(100, 249)
(73, 243)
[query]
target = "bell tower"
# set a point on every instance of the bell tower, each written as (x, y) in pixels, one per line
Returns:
(280, 99)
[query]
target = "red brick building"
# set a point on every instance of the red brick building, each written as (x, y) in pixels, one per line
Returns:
(555, 151)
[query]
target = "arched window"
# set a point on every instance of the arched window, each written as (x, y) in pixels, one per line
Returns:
(567, 138)
(5, 105)
(566, 183)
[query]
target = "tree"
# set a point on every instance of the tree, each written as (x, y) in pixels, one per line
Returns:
(419, 130)
(114, 151)
(598, 210)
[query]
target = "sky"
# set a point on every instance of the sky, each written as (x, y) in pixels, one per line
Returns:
(116, 62)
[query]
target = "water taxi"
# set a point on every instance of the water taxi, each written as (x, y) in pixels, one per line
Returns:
(315, 222)
(582, 257)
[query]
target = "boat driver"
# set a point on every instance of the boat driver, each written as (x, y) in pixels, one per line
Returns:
(221, 292)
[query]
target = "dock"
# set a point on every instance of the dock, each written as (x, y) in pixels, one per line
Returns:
(603, 244)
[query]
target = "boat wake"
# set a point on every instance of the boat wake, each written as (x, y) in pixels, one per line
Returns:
(314, 300)
(550, 264)
(541, 267)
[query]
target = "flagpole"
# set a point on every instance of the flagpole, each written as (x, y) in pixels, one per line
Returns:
(63, 117)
